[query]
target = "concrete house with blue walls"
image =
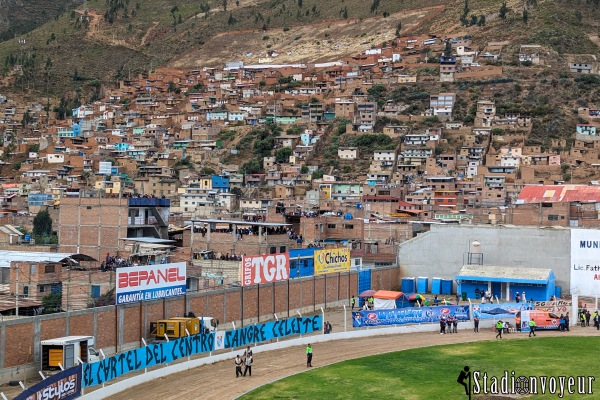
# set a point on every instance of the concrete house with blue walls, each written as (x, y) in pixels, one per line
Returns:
(220, 183)
(505, 282)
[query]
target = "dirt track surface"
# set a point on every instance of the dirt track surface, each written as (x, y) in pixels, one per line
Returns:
(218, 381)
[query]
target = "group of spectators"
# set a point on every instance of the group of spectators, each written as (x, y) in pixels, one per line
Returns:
(112, 263)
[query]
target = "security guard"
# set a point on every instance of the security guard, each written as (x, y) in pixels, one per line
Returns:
(499, 327)
(531, 327)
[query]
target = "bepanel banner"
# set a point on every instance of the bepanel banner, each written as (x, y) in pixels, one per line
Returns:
(329, 261)
(265, 269)
(150, 282)
(64, 385)
(585, 262)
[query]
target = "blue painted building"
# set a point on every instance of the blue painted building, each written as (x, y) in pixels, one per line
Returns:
(505, 282)
(302, 262)
(220, 183)
(38, 199)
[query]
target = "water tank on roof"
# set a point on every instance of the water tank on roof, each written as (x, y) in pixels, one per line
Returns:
(348, 216)
(475, 247)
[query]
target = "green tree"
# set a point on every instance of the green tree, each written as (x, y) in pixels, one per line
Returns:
(503, 10)
(318, 174)
(374, 6)
(525, 16)
(283, 155)
(398, 29)
(42, 224)
(448, 48)
(252, 167)
(237, 191)
(299, 3)
(224, 3)
(52, 303)
(481, 21)
(304, 169)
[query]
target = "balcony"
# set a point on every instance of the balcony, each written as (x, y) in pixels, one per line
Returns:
(148, 202)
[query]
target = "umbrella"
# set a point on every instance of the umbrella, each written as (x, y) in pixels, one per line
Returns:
(367, 293)
(416, 296)
(496, 311)
(445, 302)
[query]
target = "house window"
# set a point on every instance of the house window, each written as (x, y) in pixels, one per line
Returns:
(552, 217)
(348, 226)
(41, 289)
(25, 291)
(32, 269)
(330, 226)
(95, 291)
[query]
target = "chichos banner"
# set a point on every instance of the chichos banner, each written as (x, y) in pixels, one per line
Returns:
(166, 352)
(150, 282)
(400, 316)
(64, 385)
(265, 269)
(329, 261)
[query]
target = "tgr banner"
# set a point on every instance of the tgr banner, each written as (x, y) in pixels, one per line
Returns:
(400, 316)
(166, 352)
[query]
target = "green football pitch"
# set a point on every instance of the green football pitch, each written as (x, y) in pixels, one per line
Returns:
(550, 366)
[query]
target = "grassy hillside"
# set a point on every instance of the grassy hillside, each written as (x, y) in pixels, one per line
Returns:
(78, 54)
(18, 17)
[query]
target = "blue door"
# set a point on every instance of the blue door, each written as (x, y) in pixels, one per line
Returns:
(497, 289)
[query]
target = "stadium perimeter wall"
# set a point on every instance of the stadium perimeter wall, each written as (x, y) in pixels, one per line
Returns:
(120, 328)
(114, 388)
(443, 250)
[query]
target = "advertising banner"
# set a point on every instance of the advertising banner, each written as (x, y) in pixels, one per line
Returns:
(401, 316)
(557, 307)
(525, 317)
(500, 311)
(150, 282)
(585, 264)
(64, 385)
(329, 261)
(113, 367)
(265, 269)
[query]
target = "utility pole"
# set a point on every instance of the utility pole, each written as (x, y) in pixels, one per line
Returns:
(17, 292)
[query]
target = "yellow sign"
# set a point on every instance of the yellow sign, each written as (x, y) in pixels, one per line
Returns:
(332, 260)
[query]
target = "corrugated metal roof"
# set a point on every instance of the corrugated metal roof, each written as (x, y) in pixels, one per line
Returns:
(152, 240)
(504, 274)
(558, 193)
(6, 257)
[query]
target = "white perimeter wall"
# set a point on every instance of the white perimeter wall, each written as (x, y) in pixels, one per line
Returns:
(442, 251)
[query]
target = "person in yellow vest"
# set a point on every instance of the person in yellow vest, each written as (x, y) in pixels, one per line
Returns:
(499, 327)
(309, 355)
(531, 327)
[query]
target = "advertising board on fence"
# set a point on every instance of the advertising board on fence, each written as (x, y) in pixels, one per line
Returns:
(499, 311)
(585, 268)
(329, 261)
(558, 306)
(265, 269)
(401, 316)
(166, 352)
(150, 282)
(64, 385)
